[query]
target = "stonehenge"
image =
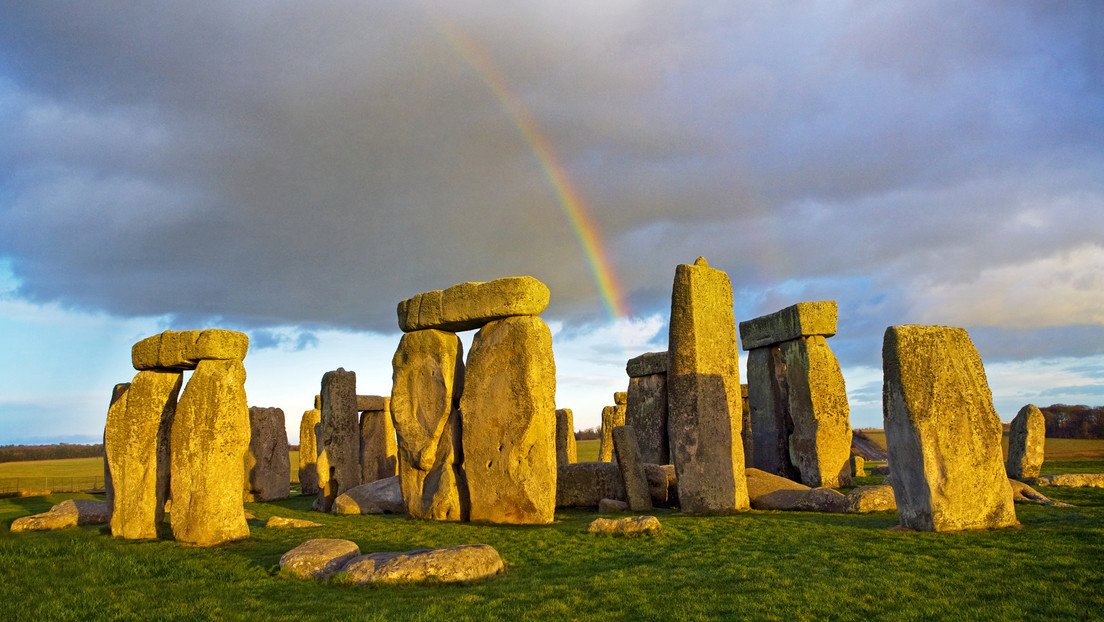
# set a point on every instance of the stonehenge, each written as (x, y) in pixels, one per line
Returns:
(378, 448)
(799, 416)
(566, 452)
(267, 463)
(1026, 442)
(338, 460)
(646, 405)
(308, 451)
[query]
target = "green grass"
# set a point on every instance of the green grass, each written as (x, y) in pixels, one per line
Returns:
(756, 565)
(1056, 448)
(587, 451)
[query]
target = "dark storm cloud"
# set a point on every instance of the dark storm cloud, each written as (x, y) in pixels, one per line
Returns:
(275, 165)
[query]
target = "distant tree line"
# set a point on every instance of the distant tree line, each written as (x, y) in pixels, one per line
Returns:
(18, 453)
(588, 434)
(1064, 421)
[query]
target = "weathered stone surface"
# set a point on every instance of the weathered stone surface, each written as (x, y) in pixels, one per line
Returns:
(454, 564)
(632, 468)
(566, 452)
(877, 498)
(137, 441)
(1026, 442)
(378, 447)
(816, 403)
(703, 392)
(118, 393)
(184, 349)
(647, 364)
(770, 422)
(376, 497)
(628, 526)
(509, 415)
(70, 513)
(315, 559)
(425, 398)
(372, 402)
(210, 434)
(768, 491)
(823, 500)
(339, 438)
(942, 432)
(612, 506)
(804, 319)
(471, 305)
(646, 412)
(280, 522)
(1071, 480)
(858, 466)
(308, 452)
(612, 416)
(267, 464)
(662, 484)
(620, 398)
(745, 427)
(1022, 493)
(584, 484)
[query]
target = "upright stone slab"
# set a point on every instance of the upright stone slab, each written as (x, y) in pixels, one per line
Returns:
(612, 416)
(1026, 442)
(428, 380)
(308, 451)
(703, 392)
(339, 458)
(267, 463)
(470, 305)
(632, 469)
(136, 441)
(378, 448)
(509, 414)
(943, 435)
(118, 396)
(210, 434)
(646, 405)
(820, 443)
(566, 452)
(771, 424)
(745, 429)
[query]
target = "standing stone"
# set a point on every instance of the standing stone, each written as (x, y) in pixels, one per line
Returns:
(339, 458)
(771, 424)
(612, 416)
(378, 449)
(565, 437)
(509, 414)
(137, 441)
(118, 396)
(943, 435)
(820, 443)
(646, 406)
(1026, 443)
(703, 392)
(267, 464)
(632, 469)
(428, 380)
(210, 435)
(858, 466)
(745, 433)
(308, 452)
(584, 484)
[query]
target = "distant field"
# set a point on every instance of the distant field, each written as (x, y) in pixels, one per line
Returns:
(1056, 448)
(587, 451)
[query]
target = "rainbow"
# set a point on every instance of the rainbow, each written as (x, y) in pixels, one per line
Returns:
(584, 227)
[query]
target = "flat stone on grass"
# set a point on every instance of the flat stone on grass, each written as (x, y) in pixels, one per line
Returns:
(316, 559)
(628, 526)
(280, 522)
(454, 564)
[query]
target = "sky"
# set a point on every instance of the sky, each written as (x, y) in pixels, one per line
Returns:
(294, 170)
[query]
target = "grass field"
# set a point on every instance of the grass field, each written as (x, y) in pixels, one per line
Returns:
(1056, 448)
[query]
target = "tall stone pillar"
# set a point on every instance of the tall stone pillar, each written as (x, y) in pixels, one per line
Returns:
(646, 406)
(118, 396)
(339, 458)
(378, 448)
(267, 463)
(1026, 443)
(566, 450)
(308, 451)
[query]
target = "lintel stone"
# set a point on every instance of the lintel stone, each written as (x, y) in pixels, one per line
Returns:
(804, 319)
(647, 364)
(184, 349)
(468, 306)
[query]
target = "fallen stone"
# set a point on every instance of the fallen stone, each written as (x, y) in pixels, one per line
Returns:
(316, 559)
(703, 392)
(566, 448)
(1026, 443)
(646, 412)
(308, 452)
(378, 497)
(662, 484)
(632, 468)
(339, 439)
(647, 364)
(628, 526)
(823, 500)
(70, 513)
(185, 349)
(804, 319)
(454, 564)
(612, 506)
(877, 498)
(942, 432)
(585, 484)
(1022, 493)
(378, 448)
(267, 463)
(768, 491)
(468, 306)
(280, 522)
(1071, 480)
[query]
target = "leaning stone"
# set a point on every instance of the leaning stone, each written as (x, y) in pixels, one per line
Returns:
(628, 526)
(509, 421)
(632, 468)
(877, 498)
(425, 398)
(942, 432)
(1022, 493)
(71, 513)
(1026, 443)
(471, 305)
(662, 484)
(454, 564)
(646, 412)
(858, 466)
(267, 463)
(339, 438)
(612, 506)
(566, 449)
(279, 522)
(1071, 480)
(585, 484)
(210, 434)
(316, 559)
(308, 452)
(184, 349)
(137, 444)
(703, 392)
(378, 449)
(804, 319)
(647, 364)
(377, 497)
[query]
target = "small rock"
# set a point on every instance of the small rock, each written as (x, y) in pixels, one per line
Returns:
(611, 506)
(631, 525)
(248, 515)
(1071, 480)
(877, 498)
(448, 565)
(71, 513)
(378, 497)
(315, 559)
(279, 522)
